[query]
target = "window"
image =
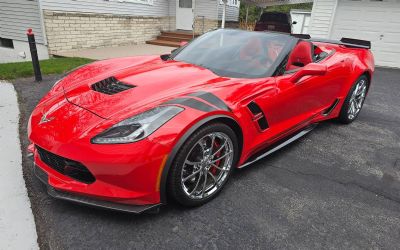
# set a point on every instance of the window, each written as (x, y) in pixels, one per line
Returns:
(6, 43)
(185, 4)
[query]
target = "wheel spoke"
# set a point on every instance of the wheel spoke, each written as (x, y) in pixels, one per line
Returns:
(213, 177)
(220, 148)
(192, 162)
(191, 175)
(203, 147)
(222, 157)
(197, 184)
(204, 185)
(212, 144)
(219, 168)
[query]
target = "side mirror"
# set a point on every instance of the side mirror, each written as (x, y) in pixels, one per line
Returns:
(183, 43)
(312, 69)
(294, 22)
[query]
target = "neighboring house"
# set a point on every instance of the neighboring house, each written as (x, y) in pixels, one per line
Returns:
(375, 20)
(16, 16)
(301, 20)
(67, 25)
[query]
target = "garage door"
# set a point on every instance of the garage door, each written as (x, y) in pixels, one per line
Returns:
(373, 20)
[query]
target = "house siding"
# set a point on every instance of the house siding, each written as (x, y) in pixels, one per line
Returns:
(232, 13)
(158, 8)
(16, 16)
(322, 16)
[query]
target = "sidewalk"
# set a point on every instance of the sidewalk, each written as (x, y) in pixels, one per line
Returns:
(17, 226)
(122, 51)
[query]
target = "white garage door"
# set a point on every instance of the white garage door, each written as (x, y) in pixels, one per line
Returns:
(373, 20)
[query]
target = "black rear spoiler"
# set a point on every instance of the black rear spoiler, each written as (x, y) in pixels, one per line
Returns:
(348, 42)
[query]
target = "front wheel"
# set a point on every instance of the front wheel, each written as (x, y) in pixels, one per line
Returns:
(354, 101)
(203, 165)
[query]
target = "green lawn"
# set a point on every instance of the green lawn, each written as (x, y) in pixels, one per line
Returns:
(10, 71)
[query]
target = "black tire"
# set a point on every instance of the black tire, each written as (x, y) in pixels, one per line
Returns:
(344, 116)
(174, 182)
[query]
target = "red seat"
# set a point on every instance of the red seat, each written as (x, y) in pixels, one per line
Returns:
(300, 56)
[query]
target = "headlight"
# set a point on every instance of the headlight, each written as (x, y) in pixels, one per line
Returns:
(138, 127)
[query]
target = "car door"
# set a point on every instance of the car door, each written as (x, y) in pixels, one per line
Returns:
(295, 104)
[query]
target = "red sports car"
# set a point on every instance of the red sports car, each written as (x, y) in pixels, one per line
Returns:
(128, 133)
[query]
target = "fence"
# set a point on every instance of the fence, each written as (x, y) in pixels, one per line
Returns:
(248, 26)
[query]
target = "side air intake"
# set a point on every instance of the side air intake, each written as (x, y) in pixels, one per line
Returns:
(258, 115)
(111, 86)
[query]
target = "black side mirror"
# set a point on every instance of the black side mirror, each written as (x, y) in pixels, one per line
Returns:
(165, 57)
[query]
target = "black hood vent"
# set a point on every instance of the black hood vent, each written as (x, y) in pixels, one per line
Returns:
(111, 86)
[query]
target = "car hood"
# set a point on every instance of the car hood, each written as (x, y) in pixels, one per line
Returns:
(153, 81)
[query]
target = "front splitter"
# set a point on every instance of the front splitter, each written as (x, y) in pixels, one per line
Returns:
(43, 177)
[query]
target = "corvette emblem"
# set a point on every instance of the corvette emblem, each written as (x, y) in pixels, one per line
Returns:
(44, 119)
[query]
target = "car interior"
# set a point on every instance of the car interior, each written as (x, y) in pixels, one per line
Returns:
(303, 53)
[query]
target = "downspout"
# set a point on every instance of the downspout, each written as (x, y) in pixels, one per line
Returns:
(42, 23)
(223, 14)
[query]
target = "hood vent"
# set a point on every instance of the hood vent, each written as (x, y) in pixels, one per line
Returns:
(111, 86)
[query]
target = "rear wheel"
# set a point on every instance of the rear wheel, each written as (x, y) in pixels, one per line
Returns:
(354, 100)
(203, 165)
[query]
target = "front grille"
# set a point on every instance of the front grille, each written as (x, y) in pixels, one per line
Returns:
(66, 166)
(110, 86)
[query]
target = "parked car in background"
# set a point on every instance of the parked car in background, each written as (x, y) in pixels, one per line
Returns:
(275, 21)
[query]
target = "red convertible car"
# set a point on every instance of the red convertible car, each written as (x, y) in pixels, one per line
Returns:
(129, 133)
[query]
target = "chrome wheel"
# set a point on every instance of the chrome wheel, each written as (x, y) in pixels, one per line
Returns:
(357, 99)
(207, 165)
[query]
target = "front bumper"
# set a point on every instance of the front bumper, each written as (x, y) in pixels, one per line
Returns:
(43, 177)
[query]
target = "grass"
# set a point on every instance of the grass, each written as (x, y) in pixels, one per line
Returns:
(9, 71)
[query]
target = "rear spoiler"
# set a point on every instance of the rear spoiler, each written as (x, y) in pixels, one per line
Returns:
(348, 42)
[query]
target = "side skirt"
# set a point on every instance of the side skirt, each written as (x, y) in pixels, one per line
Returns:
(280, 145)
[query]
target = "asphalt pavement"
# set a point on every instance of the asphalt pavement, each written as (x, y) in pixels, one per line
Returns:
(337, 187)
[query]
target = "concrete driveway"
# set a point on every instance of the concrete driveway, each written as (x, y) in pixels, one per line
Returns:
(121, 51)
(338, 187)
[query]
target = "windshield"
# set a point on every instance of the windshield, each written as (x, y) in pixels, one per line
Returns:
(236, 53)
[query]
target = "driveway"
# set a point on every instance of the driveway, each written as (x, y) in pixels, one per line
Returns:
(338, 187)
(121, 51)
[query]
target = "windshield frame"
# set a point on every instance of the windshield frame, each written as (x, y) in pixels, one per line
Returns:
(288, 46)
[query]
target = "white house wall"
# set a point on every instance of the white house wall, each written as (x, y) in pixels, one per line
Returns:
(16, 16)
(322, 16)
(206, 8)
(21, 52)
(232, 13)
(158, 8)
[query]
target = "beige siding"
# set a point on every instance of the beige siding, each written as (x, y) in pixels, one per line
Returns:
(158, 8)
(206, 8)
(16, 16)
(322, 18)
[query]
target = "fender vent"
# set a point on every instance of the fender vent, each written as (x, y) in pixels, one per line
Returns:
(110, 86)
(258, 115)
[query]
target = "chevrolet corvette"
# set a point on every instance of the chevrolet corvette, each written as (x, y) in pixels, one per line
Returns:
(131, 133)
